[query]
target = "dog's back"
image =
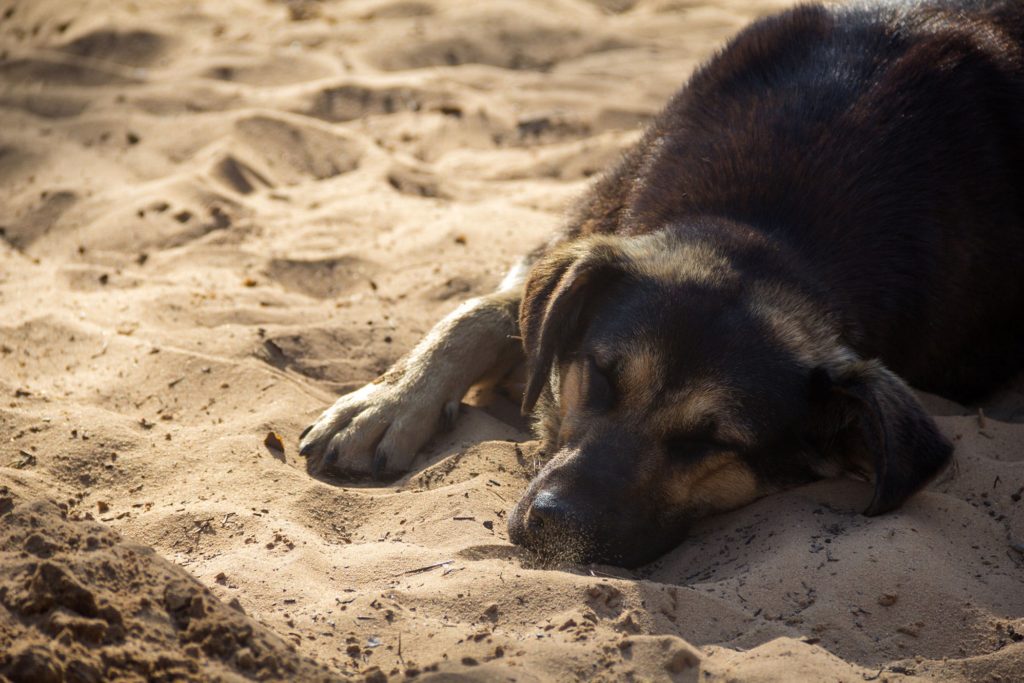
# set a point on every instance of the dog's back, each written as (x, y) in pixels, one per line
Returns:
(834, 197)
(882, 147)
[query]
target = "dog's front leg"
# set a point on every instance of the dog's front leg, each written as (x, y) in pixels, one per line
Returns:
(379, 428)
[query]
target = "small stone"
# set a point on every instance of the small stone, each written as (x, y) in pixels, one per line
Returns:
(245, 659)
(887, 599)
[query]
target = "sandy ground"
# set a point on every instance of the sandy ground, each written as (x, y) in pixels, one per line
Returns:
(216, 216)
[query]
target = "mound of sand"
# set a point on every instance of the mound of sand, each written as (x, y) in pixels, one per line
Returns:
(214, 217)
(80, 604)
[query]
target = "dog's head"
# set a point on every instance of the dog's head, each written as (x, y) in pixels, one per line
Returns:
(673, 379)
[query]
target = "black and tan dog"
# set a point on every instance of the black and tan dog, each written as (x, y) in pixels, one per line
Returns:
(833, 207)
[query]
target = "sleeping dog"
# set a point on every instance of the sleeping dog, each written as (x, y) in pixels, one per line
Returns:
(831, 209)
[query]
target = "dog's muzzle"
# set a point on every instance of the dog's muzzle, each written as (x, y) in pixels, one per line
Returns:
(551, 527)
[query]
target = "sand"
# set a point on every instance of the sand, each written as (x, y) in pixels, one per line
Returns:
(217, 216)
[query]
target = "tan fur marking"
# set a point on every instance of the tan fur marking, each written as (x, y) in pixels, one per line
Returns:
(688, 412)
(659, 257)
(797, 324)
(570, 387)
(717, 483)
(640, 375)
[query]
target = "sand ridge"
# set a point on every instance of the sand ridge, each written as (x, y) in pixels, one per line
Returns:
(217, 216)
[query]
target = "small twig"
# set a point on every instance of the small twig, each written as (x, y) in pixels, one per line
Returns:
(876, 676)
(174, 382)
(420, 570)
(464, 518)
(106, 343)
(138, 404)
(596, 572)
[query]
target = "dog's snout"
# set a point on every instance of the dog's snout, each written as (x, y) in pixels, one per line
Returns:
(549, 513)
(551, 526)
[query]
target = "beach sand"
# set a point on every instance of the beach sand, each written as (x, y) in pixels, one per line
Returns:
(217, 216)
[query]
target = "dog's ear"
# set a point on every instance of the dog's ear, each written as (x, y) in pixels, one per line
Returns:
(864, 406)
(555, 301)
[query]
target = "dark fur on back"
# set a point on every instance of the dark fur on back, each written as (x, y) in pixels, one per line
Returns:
(881, 147)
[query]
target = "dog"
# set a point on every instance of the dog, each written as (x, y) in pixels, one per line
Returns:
(830, 210)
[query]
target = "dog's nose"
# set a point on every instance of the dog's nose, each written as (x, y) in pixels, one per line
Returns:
(549, 514)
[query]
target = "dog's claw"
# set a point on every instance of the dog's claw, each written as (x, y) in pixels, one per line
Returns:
(449, 414)
(380, 461)
(304, 432)
(330, 454)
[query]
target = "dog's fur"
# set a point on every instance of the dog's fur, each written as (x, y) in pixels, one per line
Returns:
(832, 206)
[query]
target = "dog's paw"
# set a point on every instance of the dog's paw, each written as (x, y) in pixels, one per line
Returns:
(377, 430)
